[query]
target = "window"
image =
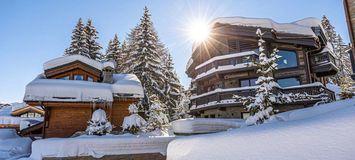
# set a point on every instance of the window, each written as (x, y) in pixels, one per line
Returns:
(245, 115)
(90, 79)
(248, 82)
(288, 59)
(286, 82)
(64, 78)
(78, 77)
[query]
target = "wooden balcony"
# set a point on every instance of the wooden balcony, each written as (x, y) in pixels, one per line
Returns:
(224, 97)
(323, 64)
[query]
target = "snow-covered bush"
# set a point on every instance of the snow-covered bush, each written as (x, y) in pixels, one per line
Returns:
(158, 118)
(99, 125)
(134, 122)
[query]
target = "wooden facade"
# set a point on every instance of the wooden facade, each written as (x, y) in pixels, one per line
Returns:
(64, 118)
(215, 66)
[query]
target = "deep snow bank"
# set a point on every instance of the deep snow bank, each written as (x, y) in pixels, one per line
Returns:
(325, 132)
(98, 146)
(13, 146)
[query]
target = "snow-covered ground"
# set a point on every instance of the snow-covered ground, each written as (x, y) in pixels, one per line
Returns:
(98, 146)
(13, 146)
(324, 132)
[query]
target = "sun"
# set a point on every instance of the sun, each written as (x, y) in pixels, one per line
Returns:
(199, 31)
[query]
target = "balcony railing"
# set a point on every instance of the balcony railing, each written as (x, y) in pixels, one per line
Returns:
(222, 97)
(323, 64)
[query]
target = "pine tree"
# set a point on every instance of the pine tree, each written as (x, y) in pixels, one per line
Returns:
(78, 44)
(144, 59)
(93, 47)
(260, 106)
(113, 50)
(339, 49)
(173, 88)
(99, 125)
(133, 123)
(158, 118)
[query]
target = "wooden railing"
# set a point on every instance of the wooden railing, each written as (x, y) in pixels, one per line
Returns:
(310, 90)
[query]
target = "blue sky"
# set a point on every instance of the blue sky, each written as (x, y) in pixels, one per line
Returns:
(32, 32)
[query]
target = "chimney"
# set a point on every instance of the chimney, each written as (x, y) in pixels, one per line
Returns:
(107, 74)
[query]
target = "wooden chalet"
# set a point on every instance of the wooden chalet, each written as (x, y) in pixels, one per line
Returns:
(349, 7)
(73, 87)
(218, 66)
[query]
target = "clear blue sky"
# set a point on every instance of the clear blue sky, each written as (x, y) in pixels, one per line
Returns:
(32, 32)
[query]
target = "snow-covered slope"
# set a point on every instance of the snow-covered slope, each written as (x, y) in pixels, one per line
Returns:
(16, 146)
(325, 132)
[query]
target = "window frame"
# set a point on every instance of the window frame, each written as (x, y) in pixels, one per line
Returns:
(74, 77)
(297, 60)
(249, 80)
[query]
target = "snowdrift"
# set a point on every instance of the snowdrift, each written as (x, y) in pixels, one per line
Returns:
(325, 132)
(98, 146)
(16, 147)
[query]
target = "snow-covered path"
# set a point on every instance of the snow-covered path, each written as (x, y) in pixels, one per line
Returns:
(325, 132)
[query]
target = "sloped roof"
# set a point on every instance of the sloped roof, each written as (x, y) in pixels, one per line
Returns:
(301, 27)
(69, 59)
(42, 89)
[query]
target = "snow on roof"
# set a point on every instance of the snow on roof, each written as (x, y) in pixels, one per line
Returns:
(240, 54)
(323, 132)
(41, 89)
(108, 64)
(301, 27)
(69, 59)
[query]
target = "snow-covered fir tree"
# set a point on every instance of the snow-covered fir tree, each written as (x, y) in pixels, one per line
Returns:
(260, 106)
(93, 47)
(113, 51)
(134, 122)
(347, 91)
(99, 125)
(181, 111)
(145, 60)
(158, 118)
(78, 43)
(173, 88)
(338, 47)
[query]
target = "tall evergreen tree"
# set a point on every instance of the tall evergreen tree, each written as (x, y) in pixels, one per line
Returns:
(342, 57)
(113, 49)
(260, 106)
(144, 59)
(93, 47)
(78, 43)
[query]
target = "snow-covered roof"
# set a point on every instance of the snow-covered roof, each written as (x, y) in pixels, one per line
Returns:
(301, 27)
(69, 59)
(41, 89)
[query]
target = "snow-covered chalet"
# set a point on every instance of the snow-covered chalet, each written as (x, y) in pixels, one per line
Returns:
(73, 87)
(218, 67)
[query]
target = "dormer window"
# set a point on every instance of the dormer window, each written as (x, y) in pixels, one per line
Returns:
(78, 77)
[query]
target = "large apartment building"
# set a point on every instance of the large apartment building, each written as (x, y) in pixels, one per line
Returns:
(218, 67)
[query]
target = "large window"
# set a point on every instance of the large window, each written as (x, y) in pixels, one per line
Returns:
(287, 82)
(288, 59)
(248, 82)
(78, 77)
